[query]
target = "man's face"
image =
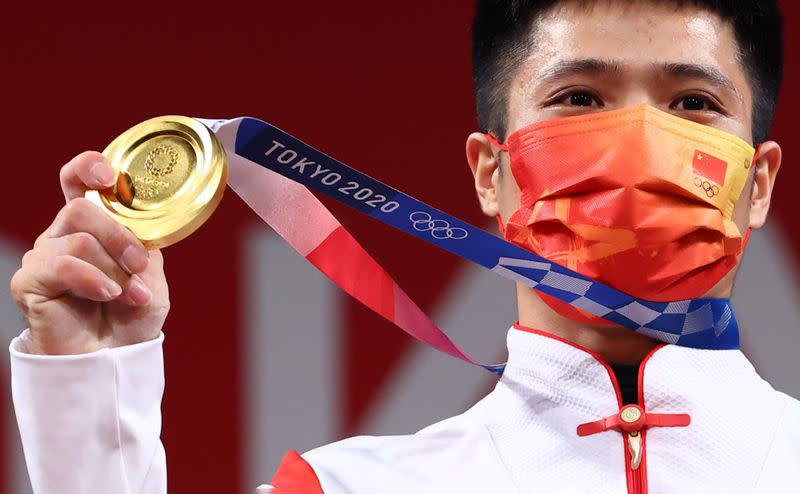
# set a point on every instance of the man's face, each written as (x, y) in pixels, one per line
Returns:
(610, 55)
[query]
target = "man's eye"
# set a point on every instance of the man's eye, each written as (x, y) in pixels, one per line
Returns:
(581, 99)
(574, 100)
(695, 103)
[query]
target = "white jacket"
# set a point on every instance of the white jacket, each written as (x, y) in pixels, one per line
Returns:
(90, 423)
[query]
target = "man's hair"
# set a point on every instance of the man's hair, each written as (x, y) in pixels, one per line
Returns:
(502, 37)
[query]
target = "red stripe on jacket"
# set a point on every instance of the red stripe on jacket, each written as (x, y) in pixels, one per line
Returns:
(295, 476)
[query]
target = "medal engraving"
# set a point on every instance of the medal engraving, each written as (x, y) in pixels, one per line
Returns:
(148, 187)
(161, 160)
(158, 169)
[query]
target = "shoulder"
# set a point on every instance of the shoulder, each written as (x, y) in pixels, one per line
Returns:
(438, 457)
(783, 458)
(789, 425)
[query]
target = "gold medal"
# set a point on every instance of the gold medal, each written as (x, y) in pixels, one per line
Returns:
(171, 174)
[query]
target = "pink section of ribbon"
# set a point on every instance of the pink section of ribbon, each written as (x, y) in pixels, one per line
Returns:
(287, 207)
(415, 322)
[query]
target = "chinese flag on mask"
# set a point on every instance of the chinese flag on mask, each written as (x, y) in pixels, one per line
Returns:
(710, 167)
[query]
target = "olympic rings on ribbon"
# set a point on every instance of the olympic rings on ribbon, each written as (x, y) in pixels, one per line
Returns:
(710, 189)
(440, 229)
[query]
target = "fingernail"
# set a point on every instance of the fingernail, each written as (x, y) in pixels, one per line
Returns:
(103, 174)
(112, 289)
(131, 257)
(138, 291)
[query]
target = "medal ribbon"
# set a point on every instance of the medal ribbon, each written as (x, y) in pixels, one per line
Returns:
(272, 171)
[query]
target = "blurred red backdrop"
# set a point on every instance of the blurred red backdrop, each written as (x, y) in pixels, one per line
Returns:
(384, 86)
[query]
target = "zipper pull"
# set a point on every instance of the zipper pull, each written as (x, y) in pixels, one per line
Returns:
(635, 448)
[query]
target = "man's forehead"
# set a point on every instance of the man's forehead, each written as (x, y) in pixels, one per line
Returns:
(633, 36)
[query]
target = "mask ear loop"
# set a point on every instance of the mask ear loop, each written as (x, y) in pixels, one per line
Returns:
(501, 225)
(494, 140)
(758, 153)
(747, 238)
(501, 147)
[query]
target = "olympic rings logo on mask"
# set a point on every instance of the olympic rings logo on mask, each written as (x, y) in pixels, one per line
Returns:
(710, 189)
(439, 229)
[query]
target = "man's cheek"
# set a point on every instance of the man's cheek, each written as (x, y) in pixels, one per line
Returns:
(741, 213)
(509, 195)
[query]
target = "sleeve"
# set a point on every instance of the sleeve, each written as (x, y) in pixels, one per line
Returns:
(92, 422)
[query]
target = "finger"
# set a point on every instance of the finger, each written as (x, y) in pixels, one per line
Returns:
(89, 170)
(135, 292)
(80, 215)
(81, 245)
(154, 279)
(87, 248)
(64, 275)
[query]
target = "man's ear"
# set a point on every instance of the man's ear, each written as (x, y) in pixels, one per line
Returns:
(767, 165)
(485, 166)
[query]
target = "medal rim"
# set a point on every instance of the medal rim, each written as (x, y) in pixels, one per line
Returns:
(165, 226)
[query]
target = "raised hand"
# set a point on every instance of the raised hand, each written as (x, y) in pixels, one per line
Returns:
(89, 283)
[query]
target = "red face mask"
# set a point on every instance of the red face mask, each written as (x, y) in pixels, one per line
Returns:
(637, 199)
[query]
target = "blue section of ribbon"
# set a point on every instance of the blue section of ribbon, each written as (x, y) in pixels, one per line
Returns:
(699, 323)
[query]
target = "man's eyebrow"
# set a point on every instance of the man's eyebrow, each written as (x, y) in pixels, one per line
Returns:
(707, 73)
(597, 66)
(583, 66)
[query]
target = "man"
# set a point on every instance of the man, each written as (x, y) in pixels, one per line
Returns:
(575, 98)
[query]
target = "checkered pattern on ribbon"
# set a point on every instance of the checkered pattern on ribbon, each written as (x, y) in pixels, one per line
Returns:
(699, 323)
